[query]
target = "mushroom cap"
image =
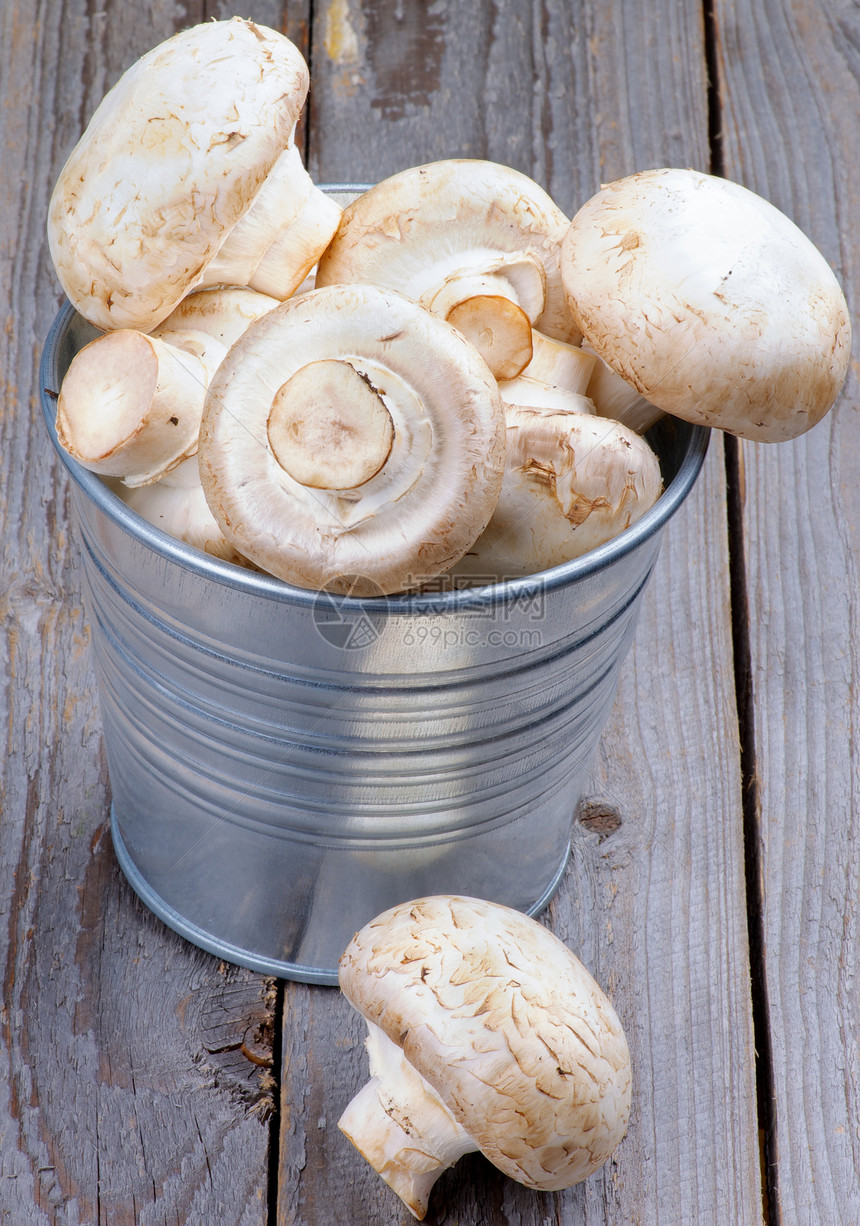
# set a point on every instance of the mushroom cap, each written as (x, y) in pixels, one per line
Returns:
(223, 311)
(710, 301)
(435, 476)
(176, 504)
(573, 481)
(417, 228)
(506, 1024)
(172, 158)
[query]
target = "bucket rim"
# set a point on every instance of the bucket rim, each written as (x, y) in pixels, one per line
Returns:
(410, 603)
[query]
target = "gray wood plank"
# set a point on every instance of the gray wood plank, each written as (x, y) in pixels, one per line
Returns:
(124, 1093)
(669, 889)
(789, 78)
(574, 94)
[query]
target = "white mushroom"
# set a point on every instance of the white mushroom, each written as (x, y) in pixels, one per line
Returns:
(560, 364)
(526, 392)
(485, 1033)
(130, 404)
(475, 242)
(556, 378)
(177, 505)
(187, 175)
(573, 481)
(710, 301)
(223, 312)
(352, 441)
(614, 397)
(577, 368)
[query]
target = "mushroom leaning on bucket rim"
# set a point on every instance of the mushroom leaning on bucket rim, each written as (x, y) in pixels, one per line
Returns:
(474, 241)
(485, 1033)
(351, 441)
(187, 175)
(710, 301)
(130, 403)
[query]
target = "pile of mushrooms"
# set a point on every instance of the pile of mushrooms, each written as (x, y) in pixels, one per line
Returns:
(479, 371)
(446, 376)
(485, 1032)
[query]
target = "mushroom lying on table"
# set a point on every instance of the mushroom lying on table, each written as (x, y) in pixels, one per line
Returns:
(709, 301)
(485, 1033)
(187, 175)
(352, 441)
(475, 242)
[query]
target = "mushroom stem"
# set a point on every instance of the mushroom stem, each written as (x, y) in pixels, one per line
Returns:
(494, 309)
(560, 364)
(526, 392)
(130, 405)
(498, 328)
(399, 1123)
(616, 398)
(280, 238)
(328, 426)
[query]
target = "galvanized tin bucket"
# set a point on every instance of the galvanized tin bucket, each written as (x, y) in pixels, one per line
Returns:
(285, 765)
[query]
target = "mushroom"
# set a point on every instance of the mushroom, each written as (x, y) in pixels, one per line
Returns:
(475, 242)
(352, 441)
(485, 1033)
(577, 368)
(709, 301)
(187, 175)
(526, 392)
(177, 505)
(614, 397)
(573, 481)
(222, 312)
(130, 404)
(559, 363)
(556, 377)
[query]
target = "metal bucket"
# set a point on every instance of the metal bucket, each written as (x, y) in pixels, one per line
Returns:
(285, 765)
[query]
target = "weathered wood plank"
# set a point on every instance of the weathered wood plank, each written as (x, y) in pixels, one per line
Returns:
(789, 82)
(574, 94)
(124, 1093)
(669, 889)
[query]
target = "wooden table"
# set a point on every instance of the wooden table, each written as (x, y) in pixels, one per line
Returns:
(714, 877)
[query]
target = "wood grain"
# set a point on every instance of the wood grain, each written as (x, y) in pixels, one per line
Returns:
(573, 94)
(124, 1093)
(789, 86)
